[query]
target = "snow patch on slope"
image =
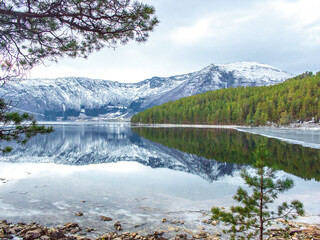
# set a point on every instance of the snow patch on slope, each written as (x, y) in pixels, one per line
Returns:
(84, 98)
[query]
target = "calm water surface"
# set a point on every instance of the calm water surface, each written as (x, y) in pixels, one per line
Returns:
(141, 175)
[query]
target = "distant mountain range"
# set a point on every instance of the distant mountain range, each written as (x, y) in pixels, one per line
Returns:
(94, 99)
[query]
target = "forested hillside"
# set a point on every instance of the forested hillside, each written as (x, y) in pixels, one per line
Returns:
(292, 100)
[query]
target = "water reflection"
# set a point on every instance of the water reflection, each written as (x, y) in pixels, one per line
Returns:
(96, 144)
(231, 146)
(209, 153)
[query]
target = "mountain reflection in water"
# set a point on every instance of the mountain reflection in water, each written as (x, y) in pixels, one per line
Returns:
(232, 146)
(97, 144)
(209, 153)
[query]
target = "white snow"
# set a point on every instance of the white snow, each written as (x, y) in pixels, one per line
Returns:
(254, 71)
(59, 95)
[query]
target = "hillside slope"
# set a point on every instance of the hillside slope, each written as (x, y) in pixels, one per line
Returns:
(296, 99)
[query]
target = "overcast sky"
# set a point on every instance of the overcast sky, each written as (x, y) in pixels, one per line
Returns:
(195, 33)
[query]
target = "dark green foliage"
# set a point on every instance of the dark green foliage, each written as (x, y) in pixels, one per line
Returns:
(33, 31)
(252, 215)
(17, 127)
(295, 99)
(231, 146)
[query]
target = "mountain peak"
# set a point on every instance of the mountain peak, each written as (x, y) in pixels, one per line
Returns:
(242, 65)
(66, 98)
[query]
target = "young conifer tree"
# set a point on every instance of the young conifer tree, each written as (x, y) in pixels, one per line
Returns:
(250, 218)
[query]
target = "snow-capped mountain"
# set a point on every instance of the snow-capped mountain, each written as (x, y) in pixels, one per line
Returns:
(97, 144)
(74, 98)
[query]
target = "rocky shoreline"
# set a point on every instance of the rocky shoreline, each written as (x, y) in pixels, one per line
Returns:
(298, 125)
(72, 231)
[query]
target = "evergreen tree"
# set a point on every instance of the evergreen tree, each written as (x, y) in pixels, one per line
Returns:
(284, 118)
(17, 127)
(252, 215)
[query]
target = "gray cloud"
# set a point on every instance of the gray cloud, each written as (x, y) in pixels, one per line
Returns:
(193, 34)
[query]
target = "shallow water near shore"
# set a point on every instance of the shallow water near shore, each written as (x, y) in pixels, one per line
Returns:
(138, 176)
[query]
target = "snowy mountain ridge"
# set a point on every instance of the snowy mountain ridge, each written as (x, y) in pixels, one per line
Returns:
(76, 98)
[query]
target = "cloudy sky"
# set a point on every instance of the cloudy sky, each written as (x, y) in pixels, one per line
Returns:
(195, 33)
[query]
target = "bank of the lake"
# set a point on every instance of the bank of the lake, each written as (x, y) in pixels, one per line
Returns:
(302, 126)
(73, 231)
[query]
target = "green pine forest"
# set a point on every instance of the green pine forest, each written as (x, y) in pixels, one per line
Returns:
(295, 99)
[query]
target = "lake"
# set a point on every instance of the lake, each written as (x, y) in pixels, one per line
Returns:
(139, 175)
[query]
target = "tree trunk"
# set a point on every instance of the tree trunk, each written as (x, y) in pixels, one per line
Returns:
(261, 204)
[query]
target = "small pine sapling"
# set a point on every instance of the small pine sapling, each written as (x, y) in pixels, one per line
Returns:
(250, 218)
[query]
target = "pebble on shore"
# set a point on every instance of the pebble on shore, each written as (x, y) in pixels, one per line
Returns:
(70, 231)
